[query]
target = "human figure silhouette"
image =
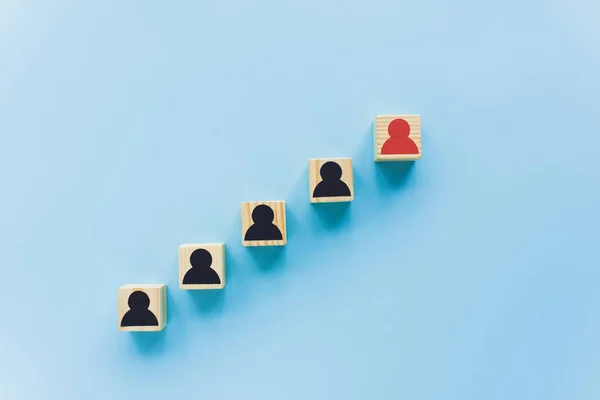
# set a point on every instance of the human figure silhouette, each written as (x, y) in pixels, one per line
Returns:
(138, 314)
(263, 227)
(399, 142)
(201, 273)
(331, 185)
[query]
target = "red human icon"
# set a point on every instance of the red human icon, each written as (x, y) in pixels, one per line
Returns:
(399, 142)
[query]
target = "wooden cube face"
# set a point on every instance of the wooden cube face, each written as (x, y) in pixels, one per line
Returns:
(397, 137)
(263, 223)
(142, 307)
(202, 266)
(330, 180)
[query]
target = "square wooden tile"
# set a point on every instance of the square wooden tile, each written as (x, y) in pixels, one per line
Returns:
(142, 307)
(202, 266)
(330, 180)
(397, 137)
(263, 223)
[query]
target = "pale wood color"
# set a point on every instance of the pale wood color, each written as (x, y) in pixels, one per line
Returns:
(314, 178)
(158, 305)
(217, 252)
(380, 134)
(278, 208)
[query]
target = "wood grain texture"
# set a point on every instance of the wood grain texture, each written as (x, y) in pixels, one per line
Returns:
(217, 252)
(380, 135)
(314, 178)
(158, 305)
(278, 208)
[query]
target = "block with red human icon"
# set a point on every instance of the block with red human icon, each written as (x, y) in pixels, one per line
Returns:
(397, 137)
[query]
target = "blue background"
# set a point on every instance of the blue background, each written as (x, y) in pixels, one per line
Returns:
(131, 127)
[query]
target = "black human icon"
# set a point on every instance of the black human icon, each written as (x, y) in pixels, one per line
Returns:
(331, 185)
(263, 227)
(138, 314)
(201, 273)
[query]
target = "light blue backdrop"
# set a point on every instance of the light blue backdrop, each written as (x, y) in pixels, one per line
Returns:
(130, 127)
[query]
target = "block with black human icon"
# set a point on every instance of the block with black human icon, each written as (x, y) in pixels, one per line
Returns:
(397, 137)
(330, 180)
(202, 266)
(142, 307)
(263, 223)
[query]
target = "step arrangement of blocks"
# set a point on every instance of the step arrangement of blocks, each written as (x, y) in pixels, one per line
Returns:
(143, 307)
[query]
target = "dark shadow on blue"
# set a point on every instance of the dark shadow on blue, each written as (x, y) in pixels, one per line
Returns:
(209, 301)
(293, 224)
(149, 343)
(393, 175)
(268, 258)
(333, 215)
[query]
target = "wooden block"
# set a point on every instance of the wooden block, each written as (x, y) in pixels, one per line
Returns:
(142, 307)
(263, 223)
(397, 137)
(202, 266)
(330, 180)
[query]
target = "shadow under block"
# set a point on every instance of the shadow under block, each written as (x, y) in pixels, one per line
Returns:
(142, 307)
(207, 260)
(263, 223)
(330, 180)
(403, 138)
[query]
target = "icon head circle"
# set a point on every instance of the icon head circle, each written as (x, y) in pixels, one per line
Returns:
(201, 258)
(331, 171)
(399, 128)
(263, 214)
(138, 300)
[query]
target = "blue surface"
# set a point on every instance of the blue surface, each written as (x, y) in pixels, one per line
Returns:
(130, 127)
